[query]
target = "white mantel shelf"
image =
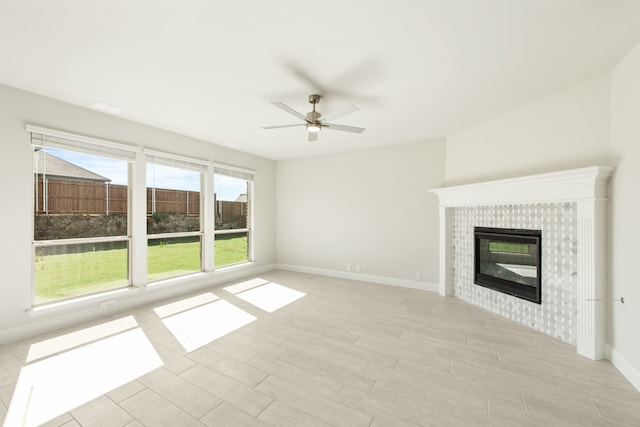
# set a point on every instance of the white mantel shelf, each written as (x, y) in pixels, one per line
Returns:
(587, 187)
(564, 186)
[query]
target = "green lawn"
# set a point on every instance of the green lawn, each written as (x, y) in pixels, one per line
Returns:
(64, 275)
(169, 259)
(68, 275)
(231, 249)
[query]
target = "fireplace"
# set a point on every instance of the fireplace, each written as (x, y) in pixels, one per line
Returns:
(570, 207)
(508, 260)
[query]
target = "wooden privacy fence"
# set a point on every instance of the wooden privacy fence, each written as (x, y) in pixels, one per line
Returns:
(67, 197)
(231, 214)
(183, 202)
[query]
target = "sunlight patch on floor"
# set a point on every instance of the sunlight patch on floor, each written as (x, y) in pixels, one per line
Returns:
(201, 325)
(246, 285)
(71, 340)
(185, 304)
(51, 387)
(270, 297)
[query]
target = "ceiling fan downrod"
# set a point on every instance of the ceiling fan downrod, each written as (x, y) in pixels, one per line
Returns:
(313, 117)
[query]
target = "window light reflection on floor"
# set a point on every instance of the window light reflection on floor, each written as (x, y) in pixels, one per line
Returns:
(184, 304)
(245, 285)
(199, 326)
(271, 296)
(51, 387)
(68, 341)
(70, 370)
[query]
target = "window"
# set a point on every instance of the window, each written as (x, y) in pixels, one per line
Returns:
(86, 193)
(173, 217)
(81, 225)
(233, 192)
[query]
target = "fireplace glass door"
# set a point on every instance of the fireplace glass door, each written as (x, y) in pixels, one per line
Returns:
(508, 260)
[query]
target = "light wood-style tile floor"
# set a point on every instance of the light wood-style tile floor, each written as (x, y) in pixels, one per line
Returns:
(343, 353)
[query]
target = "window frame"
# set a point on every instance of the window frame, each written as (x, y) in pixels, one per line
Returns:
(249, 176)
(153, 158)
(42, 138)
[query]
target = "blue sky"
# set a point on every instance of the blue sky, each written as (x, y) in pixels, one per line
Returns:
(228, 188)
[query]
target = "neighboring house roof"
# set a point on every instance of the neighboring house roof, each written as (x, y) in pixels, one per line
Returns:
(242, 198)
(56, 167)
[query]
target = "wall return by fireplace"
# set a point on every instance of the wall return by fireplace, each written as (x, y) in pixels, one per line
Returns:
(508, 260)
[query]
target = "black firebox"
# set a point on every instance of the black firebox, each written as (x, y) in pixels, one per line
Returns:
(508, 260)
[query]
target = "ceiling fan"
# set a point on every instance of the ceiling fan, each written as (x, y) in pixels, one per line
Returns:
(314, 121)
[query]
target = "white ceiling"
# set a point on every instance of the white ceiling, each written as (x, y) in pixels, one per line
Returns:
(418, 69)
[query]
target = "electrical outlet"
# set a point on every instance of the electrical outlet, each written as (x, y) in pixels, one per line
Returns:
(348, 267)
(418, 275)
(358, 268)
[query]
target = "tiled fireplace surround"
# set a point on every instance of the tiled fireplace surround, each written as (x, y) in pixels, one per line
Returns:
(569, 207)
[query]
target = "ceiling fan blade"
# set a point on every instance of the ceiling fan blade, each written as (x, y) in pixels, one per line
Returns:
(343, 127)
(283, 126)
(306, 77)
(368, 71)
(290, 110)
(313, 136)
(342, 111)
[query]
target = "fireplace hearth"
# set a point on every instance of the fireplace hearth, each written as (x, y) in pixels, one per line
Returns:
(508, 260)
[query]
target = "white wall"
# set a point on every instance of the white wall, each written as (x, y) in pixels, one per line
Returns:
(624, 229)
(16, 189)
(566, 130)
(368, 208)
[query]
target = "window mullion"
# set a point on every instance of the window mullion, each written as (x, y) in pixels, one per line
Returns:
(138, 218)
(208, 222)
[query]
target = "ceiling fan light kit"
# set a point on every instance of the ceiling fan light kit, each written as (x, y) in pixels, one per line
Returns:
(314, 121)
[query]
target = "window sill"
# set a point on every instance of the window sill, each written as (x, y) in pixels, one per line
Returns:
(231, 267)
(103, 299)
(170, 281)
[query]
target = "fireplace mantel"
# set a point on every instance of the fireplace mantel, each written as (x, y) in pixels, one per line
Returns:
(587, 187)
(569, 185)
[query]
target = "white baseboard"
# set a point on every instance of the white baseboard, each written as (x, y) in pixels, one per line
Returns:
(403, 283)
(631, 372)
(263, 269)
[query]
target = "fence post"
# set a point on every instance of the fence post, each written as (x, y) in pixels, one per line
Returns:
(45, 196)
